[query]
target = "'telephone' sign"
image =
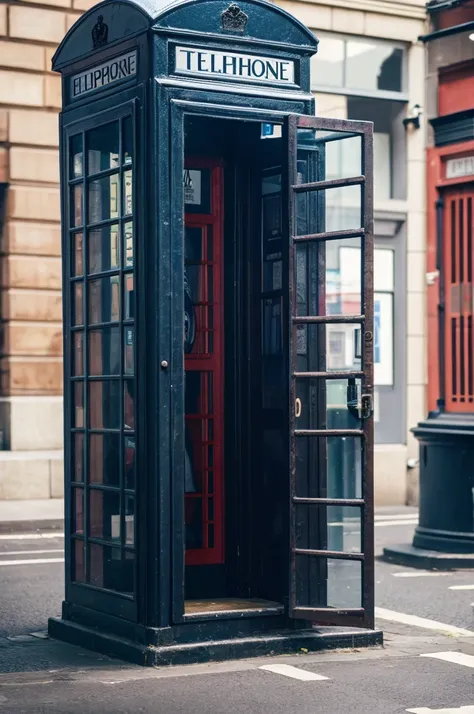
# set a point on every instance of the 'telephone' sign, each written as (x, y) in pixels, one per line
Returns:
(114, 70)
(193, 60)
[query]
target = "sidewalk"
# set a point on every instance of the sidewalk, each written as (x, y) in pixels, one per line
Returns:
(31, 515)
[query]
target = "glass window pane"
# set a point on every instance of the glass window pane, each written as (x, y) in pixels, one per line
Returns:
(334, 209)
(104, 514)
(78, 560)
(127, 140)
(327, 67)
(78, 457)
(341, 474)
(338, 528)
(109, 570)
(78, 354)
(103, 148)
(103, 199)
(104, 459)
(342, 154)
(344, 581)
(129, 297)
(373, 66)
(129, 404)
(104, 351)
(328, 582)
(78, 405)
(77, 510)
(104, 250)
(129, 248)
(78, 317)
(129, 520)
(342, 262)
(128, 192)
(129, 350)
(76, 154)
(104, 298)
(76, 205)
(342, 209)
(77, 258)
(130, 462)
(104, 404)
(341, 397)
(343, 347)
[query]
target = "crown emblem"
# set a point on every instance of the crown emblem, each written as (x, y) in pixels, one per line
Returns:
(100, 32)
(234, 19)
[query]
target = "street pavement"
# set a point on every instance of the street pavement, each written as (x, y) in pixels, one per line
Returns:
(426, 664)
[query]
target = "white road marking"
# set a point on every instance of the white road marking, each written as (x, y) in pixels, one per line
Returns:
(36, 561)
(457, 710)
(455, 657)
(287, 670)
(423, 622)
(395, 516)
(408, 522)
(461, 587)
(30, 552)
(421, 574)
(29, 536)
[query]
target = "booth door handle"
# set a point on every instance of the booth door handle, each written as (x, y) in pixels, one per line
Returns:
(366, 406)
(298, 408)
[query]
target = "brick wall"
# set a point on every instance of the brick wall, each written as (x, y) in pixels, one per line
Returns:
(30, 98)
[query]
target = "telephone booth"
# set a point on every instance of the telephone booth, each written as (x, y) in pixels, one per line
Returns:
(218, 374)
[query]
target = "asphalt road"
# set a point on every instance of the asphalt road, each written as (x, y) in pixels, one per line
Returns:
(39, 676)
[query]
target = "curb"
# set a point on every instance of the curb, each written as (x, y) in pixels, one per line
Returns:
(413, 557)
(32, 526)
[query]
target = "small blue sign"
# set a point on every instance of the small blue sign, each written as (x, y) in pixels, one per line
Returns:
(267, 130)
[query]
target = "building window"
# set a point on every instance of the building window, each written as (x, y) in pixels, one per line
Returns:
(358, 65)
(389, 143)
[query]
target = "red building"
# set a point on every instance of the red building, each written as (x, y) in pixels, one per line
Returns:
(450, 203)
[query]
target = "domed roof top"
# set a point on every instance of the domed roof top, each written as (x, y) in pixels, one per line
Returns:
(121, 19)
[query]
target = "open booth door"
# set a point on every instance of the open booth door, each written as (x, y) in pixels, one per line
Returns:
(331, 371)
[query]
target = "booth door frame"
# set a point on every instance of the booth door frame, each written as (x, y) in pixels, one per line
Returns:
(289, 122)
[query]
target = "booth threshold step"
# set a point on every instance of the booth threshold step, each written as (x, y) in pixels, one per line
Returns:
(258, 645)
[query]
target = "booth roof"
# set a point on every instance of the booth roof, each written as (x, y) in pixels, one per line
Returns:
(135, 16)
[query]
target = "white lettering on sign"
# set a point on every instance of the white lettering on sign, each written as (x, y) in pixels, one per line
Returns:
(122, 67)
(455, 168)
(192, 60)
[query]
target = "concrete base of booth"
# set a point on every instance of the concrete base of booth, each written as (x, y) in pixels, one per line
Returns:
(261, 644)
(413, 557)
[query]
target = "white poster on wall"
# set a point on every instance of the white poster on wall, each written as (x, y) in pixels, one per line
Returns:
(383, 339)
(350, 270)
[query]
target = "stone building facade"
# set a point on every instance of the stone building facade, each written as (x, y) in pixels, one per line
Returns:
(30, 303)
(374, 39)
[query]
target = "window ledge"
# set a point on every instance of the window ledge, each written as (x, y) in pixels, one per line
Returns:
(389, 218)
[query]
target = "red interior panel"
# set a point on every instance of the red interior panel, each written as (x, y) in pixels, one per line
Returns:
(204, 416)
